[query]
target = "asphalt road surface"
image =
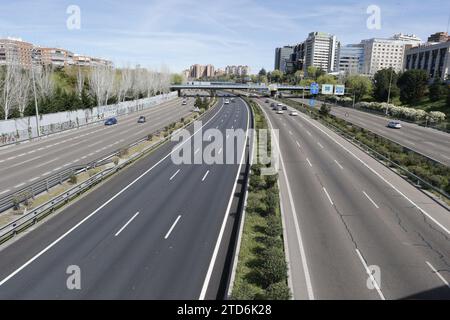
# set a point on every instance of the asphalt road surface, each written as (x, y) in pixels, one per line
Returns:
(347, 216)
(151, 232)
(26, 163)
(430, 142)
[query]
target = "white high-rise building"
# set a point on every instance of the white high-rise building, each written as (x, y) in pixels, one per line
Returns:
(387, 53)
(322, 51)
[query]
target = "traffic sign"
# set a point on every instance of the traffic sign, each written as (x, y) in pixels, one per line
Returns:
(327, 89)
(339, 90)
(314, 89)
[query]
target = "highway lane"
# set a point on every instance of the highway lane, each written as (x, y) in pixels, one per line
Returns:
(26, 163)
(430, 142)
(154, 238)
(353, 213)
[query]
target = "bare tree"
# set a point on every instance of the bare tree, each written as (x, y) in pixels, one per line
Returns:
(23, 91)
(125, 83)
(8, 88)
(101, 83)
(43, 77)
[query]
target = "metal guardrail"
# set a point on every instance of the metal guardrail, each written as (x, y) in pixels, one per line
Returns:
(411, 176)
(38, 213)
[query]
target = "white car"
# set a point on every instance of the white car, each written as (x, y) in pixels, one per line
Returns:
(395, 124)
(280, 111)
(227, 101)
(184, 103)
(293, 113)
(279, 104)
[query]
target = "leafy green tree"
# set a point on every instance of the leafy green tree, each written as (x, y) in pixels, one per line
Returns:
(177, 78)
(359, 86)
(326, 79)
(381, 82)
(413, 85)
(262, 72)
(276, 76)
(436, 90)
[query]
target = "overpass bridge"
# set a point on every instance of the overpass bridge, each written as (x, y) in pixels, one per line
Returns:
(271, 89)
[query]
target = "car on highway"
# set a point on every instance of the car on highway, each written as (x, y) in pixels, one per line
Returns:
(184, 103)
(284, 107)
(279, 104)
(267, 101)
(293, 113)
(280, 111)
(141, 119)
(232, 99)
(111, 121)
(394, 124)
(226, 101)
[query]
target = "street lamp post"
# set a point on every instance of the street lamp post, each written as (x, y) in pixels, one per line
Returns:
(390, 85)
(35, 94)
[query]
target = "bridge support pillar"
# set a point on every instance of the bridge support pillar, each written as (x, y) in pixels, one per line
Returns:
(179, 93)
(273, 93)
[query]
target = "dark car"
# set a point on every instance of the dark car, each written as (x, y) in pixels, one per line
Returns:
(267, 101)
(284, 107)
(110, 121)
(141, 119)
(273, 106)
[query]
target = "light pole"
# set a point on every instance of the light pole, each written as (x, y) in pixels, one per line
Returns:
(33, 52)
(390, 85)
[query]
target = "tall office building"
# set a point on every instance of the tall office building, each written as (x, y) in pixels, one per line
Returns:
(351, 59)
(432, 57)
(282, 55)
(322, 51)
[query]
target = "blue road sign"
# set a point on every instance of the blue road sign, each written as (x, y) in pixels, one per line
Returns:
(314, 89)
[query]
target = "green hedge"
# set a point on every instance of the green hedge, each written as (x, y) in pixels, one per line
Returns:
(262, 269)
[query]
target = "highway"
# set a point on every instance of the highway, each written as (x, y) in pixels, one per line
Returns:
(345, 212)
(430, 142)
(26, 163)
(153, 231)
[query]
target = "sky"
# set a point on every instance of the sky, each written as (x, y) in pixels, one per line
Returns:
(179, 33)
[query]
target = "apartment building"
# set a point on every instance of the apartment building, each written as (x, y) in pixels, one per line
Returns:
(237, 70)
(14, 50)
(439, 37)
(25, 54)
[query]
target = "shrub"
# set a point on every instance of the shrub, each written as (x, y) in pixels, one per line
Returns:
(256, 183)
(150, 137)
(244, 291)
(73, 179)
(272, 201)
(273, 266)
(274, 227)
(115, 160)
(123, 152)
(278, 291)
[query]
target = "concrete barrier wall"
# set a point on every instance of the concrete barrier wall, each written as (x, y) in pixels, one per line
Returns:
(16, 130)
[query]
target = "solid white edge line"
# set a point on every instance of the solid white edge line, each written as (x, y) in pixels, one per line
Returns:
(126, 224)
(377, 174)
(296, 222)
(309, 162)
(29, 261)
(438, 274)
(206, 174)
(222, 228)
(370, 199)
(374, 282)
(172, 227)
(328, 196)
